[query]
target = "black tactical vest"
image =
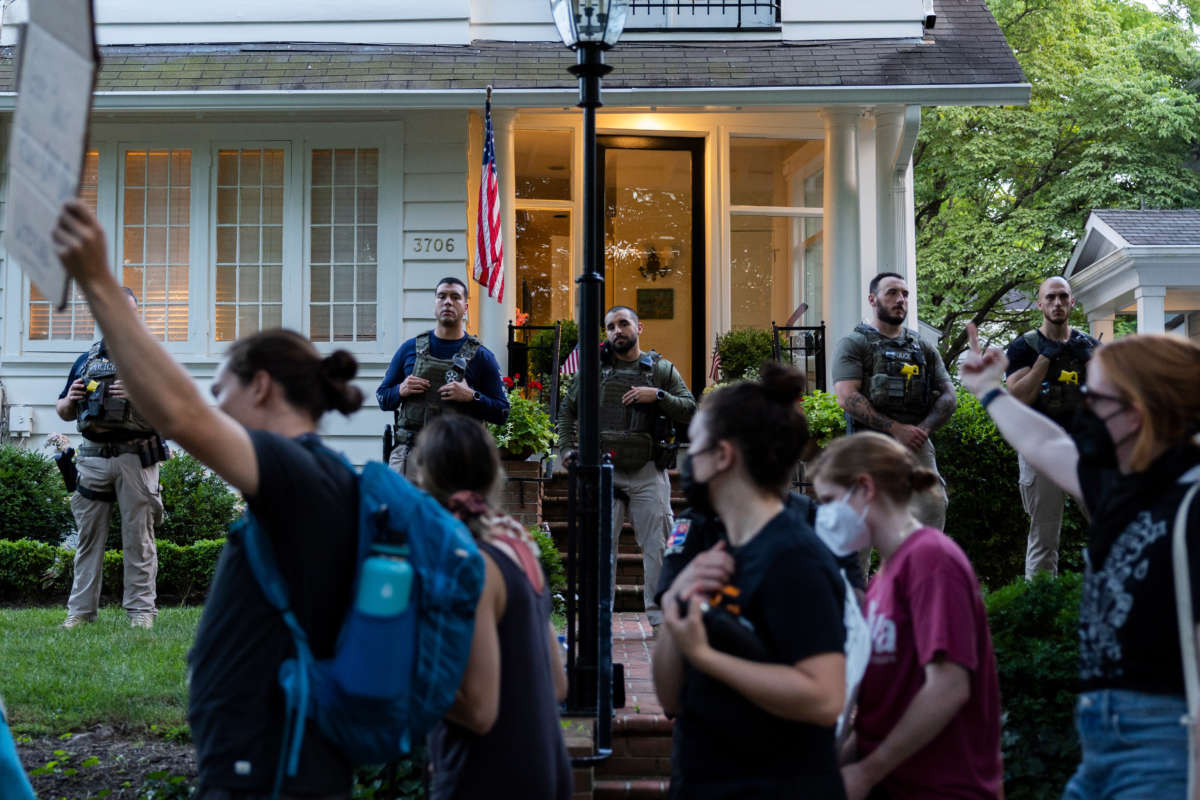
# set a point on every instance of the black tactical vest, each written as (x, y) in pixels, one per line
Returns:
(627, 432)
(1059, 395)
(100, 415)
(415, 410)
(898, 383)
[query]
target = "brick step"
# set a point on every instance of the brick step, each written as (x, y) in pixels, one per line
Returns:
(629, 788)
(629, 597)
(629, 565)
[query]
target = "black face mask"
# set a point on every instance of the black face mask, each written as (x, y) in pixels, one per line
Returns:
(695, 492)
(1092, 439)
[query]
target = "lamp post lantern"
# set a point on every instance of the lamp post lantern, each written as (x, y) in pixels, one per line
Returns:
(590, 27)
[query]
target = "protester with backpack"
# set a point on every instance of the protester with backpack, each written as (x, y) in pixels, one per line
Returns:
(261, 438)
(502, 734)
(751, 663)
(928, 721)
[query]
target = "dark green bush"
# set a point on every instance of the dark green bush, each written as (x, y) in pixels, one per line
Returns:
(742, 349)
(1034, 631)
(33, 500)
(552, 565)
(985, 515)
(196, 503)
(539, 359)
(35, 571)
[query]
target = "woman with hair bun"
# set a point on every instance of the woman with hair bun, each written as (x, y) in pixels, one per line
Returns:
(751, 660)
(928, 722)
(261, 436)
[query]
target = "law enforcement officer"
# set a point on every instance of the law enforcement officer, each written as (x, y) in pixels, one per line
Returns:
(439, 370)
(640, 394)
(119, 461)
(888, 380)
(1046, 368)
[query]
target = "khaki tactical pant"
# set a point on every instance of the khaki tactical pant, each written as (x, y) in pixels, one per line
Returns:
(649, 510)
(929, 507)
(137, 493)
(398, 460)
(1043, 503)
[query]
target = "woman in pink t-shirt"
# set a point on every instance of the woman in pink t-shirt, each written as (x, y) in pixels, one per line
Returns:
(928, 721)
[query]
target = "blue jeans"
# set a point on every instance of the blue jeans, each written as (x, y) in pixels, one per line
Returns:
(1135, 745)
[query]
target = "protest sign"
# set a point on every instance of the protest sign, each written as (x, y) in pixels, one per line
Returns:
(49, 134)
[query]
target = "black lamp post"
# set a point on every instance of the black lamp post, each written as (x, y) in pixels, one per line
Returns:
(590, 27)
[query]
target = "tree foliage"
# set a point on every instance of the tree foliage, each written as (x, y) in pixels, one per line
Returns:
(1002, 194)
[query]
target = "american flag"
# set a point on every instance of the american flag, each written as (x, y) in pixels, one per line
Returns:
(714, 372)
(489, 249)
(571, 365)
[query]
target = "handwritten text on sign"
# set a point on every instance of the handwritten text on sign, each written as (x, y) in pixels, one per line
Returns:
(435, 246)
(49, 135)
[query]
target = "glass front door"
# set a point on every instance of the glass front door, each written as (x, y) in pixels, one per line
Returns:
(654, 243)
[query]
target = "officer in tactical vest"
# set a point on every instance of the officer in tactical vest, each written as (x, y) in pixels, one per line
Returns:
(642, 396)
(440, 370)
(888, 380)
(118, 462)
(1046, 368)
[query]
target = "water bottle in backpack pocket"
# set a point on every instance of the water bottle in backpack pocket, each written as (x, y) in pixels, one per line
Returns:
(379, 637)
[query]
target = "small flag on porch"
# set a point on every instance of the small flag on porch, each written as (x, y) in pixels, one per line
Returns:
(571, 365)
(489, 249)
(714, 372)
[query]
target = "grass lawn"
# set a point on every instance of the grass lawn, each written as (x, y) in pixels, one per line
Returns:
(54, 681)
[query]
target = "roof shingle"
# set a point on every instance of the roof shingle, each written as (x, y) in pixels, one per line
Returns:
(1154, 226)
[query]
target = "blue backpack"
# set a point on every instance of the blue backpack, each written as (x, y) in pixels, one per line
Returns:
(428, 648)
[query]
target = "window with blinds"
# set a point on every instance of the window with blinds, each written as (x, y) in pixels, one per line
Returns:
(249, 241)
(75, 321)
(343, 245)
(156, 230)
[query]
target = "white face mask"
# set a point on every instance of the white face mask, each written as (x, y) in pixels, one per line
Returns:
(841, 528)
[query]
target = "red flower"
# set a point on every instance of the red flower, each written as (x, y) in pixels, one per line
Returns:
(507, 381)
(536, 386)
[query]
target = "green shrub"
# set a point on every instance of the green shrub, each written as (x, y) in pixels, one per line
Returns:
(985, 515)
(1034, 631)
(196, 503)
(33, 500)
(552, 565)
(743, 350)
(826, 420)
(528, 428)
(539, 360)
(33, 571)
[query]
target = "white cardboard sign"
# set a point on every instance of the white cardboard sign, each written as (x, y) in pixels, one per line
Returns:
(49, 135)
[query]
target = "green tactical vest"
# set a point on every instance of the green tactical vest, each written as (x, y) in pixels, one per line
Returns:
(1060, 394)
(97, 412)
(899, 384)
(415, 410)
(627, 432)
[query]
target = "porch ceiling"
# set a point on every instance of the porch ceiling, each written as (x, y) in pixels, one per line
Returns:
(965, 60)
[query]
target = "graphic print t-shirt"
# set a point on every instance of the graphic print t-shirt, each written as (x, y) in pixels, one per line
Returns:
(926, 602)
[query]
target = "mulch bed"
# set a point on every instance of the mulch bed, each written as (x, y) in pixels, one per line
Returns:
(125, 763)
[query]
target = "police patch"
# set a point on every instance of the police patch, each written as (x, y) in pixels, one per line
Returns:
(678, 536)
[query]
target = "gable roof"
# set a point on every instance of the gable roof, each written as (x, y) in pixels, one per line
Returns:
(1154, 226)
(967, 51)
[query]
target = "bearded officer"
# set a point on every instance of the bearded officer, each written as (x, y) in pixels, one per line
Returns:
(640, 393)
(440, 370)
(1046, 368)
(118, 462)
(888, 380)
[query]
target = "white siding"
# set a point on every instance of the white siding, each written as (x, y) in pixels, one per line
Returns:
(861, 19)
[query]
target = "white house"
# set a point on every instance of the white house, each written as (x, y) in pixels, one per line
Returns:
(314, 165)
(1140, 261)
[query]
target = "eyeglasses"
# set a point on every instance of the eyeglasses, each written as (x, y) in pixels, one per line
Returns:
(1090, 396)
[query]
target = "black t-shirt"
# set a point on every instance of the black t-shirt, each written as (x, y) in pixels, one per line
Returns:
(796, 610)
(1021, 355)
(1128, 633)
(307, 504)
(695, 532)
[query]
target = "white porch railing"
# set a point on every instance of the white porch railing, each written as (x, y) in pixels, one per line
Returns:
(702, 14)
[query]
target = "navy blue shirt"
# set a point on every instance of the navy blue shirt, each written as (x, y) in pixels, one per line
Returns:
(483, 375)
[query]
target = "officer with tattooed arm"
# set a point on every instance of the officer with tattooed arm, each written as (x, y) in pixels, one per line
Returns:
(1047, 367)
(888, 380)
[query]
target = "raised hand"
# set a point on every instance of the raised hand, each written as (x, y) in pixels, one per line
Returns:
(982, 371)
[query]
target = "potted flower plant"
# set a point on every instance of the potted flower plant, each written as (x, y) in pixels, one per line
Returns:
(528, 429)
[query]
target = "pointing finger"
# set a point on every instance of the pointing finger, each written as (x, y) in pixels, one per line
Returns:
(973, 335)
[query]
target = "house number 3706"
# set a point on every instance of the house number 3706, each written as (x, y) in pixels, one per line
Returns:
(432, 244)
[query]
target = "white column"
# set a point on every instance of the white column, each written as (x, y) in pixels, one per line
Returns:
(889, 125)
(494, 317)
(843, 291)
(1151, 308)
(1101, 324)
